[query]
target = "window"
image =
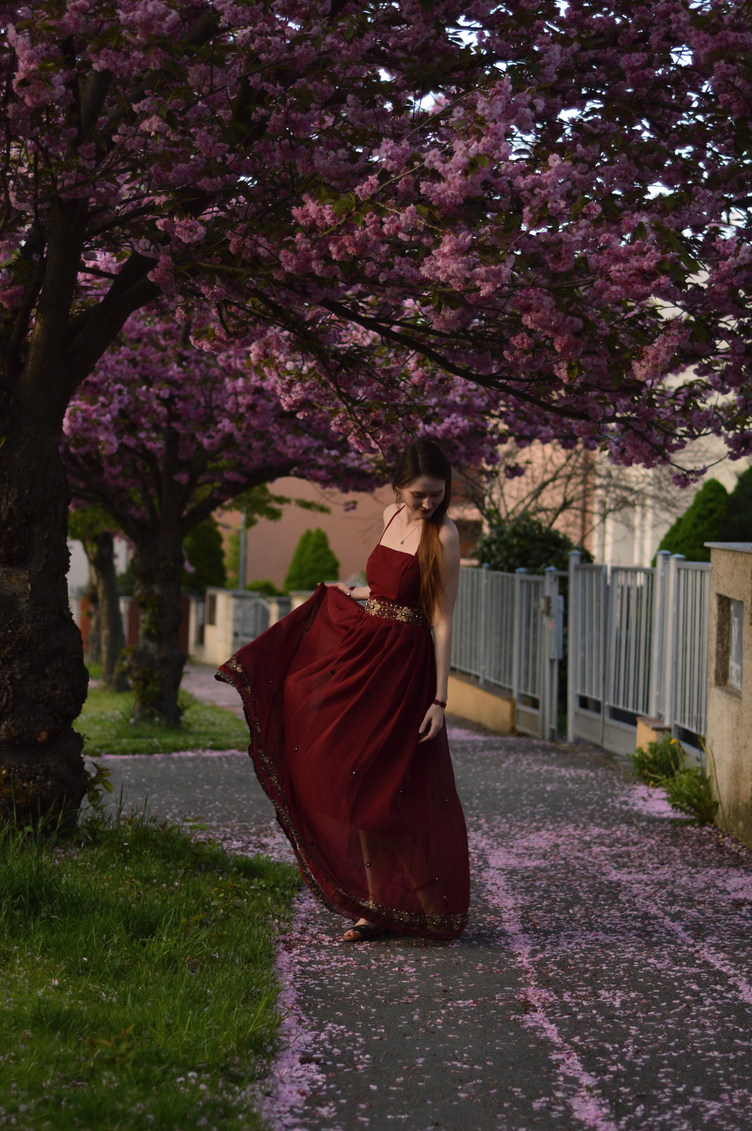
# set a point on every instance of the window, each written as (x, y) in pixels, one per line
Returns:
(211, 608)
(729, 643)
(735, 644)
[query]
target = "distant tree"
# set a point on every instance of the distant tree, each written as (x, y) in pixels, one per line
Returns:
(93, 528)
(525, 543)
(312, 562)
(204, 552)
(738, 526)
(703, 521)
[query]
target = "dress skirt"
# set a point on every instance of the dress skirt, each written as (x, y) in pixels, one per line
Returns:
(334, 697)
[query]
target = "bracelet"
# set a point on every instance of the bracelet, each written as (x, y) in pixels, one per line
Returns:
(438, 703)
(350, 590)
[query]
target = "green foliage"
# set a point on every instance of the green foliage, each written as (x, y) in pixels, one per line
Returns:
(137, 977)
(259, 503)
(312, 562)
(85, 523)
(738, 526)
(661, 760)
(690, 791)
(106, 725)
(264, 588)
(127, 582)
(204, 551)
(703, 521)
(525, 543)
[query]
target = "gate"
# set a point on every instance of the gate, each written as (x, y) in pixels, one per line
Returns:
(637, 645)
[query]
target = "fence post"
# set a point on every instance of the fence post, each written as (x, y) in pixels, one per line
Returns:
(517, 635)
(573, 643)
(550, 656)
(483, 622)
(669, 647)
(656, 696)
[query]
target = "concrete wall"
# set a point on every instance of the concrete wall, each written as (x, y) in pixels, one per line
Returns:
(729, 719)
(220, 639)
(486, 705)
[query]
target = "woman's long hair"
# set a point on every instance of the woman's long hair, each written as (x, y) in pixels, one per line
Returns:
(423, 457)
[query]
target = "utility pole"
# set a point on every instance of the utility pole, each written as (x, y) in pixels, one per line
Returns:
(241, 559)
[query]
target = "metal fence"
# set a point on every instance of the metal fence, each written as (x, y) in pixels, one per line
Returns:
(687, 709)
(250, 617)
(484, 626)
(630, 626)
(637, 643)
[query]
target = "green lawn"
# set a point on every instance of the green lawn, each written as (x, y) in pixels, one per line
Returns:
(105, 723)
(136, 979)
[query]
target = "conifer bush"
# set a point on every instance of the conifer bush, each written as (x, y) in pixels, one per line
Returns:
(703, 521)
(312, 562)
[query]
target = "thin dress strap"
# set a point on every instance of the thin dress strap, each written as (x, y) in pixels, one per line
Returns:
(391, 520)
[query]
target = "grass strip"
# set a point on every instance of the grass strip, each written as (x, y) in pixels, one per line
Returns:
(105, 722)
(136, 978)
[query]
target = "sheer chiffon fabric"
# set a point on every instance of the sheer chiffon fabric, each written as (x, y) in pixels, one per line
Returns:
(334, 697)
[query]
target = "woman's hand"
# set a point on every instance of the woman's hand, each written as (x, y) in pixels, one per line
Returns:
(356, 592)
(433, 721)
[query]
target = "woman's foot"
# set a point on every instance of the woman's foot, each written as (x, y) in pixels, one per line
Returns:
(362, 931)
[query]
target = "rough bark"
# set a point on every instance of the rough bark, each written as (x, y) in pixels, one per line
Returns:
(156, 664)
(43, 681)
(110, 621)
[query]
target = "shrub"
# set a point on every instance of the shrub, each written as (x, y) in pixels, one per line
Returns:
(690, 790)
(312, 562)
(738, 527)
(661, 760)
(703, 521)
(525, 543)
(264, 588)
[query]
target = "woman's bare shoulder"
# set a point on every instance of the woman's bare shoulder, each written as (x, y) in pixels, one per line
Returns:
(390, 511)
(449, 534)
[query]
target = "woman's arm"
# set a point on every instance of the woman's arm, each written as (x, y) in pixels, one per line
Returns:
(442, 628)
(357, 592)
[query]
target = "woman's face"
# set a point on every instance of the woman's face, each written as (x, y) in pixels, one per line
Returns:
(423, 495)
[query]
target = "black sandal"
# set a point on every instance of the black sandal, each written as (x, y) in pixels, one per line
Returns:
(367, 934)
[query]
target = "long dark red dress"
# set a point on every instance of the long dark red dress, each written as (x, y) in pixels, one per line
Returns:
(334, 696)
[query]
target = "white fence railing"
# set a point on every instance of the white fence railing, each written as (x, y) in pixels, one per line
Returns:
(637, 644)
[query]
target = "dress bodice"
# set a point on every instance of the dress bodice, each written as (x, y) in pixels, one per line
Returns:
(394, 576)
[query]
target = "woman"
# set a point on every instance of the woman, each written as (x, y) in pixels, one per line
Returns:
(346, 711)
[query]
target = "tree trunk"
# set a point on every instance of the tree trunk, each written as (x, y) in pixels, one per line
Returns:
(43, 681)
(110, 620)
(94, 635)
(156, 665)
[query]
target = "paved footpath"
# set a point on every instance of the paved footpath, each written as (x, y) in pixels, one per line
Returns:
(604, 982)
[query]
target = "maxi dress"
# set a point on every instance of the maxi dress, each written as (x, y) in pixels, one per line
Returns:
(334, 695)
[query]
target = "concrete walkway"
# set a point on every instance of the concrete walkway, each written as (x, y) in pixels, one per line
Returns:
(604, 982)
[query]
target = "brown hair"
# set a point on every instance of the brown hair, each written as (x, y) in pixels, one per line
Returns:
(424, 457)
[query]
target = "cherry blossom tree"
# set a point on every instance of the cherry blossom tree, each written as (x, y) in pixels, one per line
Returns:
(162, 433)
(534, 197)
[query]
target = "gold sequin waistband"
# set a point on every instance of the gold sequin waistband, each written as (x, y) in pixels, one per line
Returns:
(390, 610)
